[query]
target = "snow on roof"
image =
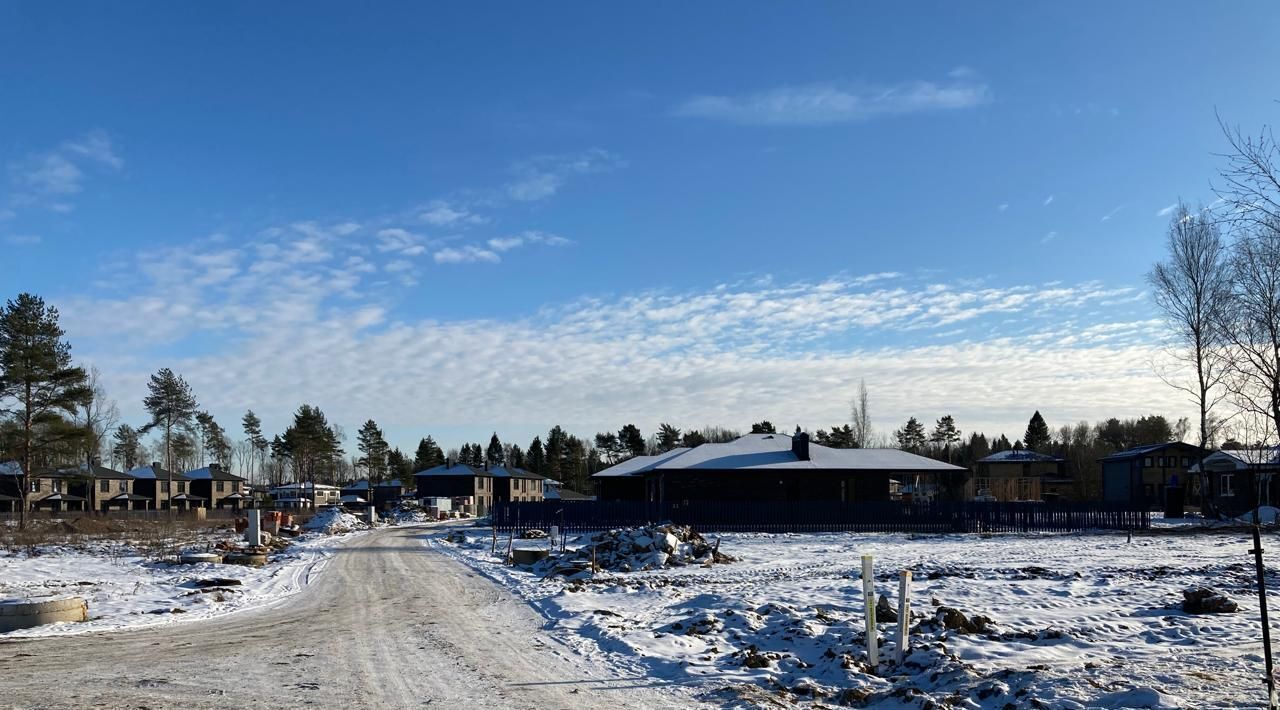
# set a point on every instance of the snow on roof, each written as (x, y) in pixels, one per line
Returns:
(457, 469)
(1240, 459)
(639, 464)
(773, 451)
(353, 499)
(10, 468)
(212, 473)
(360, 485)
(295, 487)
(1017, 456)
(152, 473)
(1144, 450)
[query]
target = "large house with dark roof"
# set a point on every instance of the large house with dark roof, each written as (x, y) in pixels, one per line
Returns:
(161, 489)
(1144, 474)
(772, 467)
(1019, 475)
(471, 489)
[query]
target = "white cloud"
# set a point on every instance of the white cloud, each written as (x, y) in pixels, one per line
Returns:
(466, 254)
(440, 213)
(23, 239)
(1167, 210)
(541, 177)
(49, 179)
(1107, 217)
(1048, 200)
(1003, 207)
(397, 266)
(501, 244)
(818, 104)
(1048, 237)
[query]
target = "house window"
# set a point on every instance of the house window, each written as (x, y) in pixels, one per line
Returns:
(57, 486)
(1186, 461)
(220, 486)
(104, 486)
(35, 485)
(1227, 486)
(124, 486)
(164, 486)
(1146, 462)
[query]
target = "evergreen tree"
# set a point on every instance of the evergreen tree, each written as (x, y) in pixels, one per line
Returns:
(536, 458)
(257, 442)
(398, 466)
(428, 455)
(911, 436)
(213, 439)
(764, 427)
(693, 439)
(374, 450)
(1000, 444)
(494, 453)
(311, 445)
(556, 442)
(609, 446)
(574, 464)
(37, 375)
(516, 457)
(127, 449)
(945, 434)
(841, 437)
(172, 407)
(1037, 437)
(631, 440)
(668, 437)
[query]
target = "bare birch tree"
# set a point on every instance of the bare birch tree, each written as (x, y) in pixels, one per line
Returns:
(861, 415)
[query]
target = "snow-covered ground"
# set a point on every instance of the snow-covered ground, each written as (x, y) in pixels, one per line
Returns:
(125, 589)
(1077, 620)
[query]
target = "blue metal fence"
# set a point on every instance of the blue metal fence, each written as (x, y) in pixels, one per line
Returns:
(824, 516)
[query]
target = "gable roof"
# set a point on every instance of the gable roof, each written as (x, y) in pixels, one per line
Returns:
(1019, 456)
(512, 472)
(1241, 459)
(1147, 449)
(151, 473)
(212, 473)
(457, 469)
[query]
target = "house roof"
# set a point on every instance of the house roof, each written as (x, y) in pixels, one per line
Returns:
(1241, 459)
(773, 451)
(61, 496)
(639, 464)
(569, 494)
(504, 472)
(295, 487)
(128, 496)
(1146, 450)
(457, 469)
(94, 471)
(187, 496)
(353, 499)
(212, 473)
(1019, 456)
(153, 472)
(10, 468)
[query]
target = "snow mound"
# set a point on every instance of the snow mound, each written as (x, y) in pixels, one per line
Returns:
(408, 512)
(334, 521)
(1267, 515)
(636, 549)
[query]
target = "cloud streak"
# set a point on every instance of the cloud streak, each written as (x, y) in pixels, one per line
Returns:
(834, 103)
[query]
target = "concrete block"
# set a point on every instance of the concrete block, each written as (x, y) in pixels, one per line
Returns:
(26, 613)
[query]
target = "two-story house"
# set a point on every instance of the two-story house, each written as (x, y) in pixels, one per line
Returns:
(104, 488)
(163, 489)
(1018, 475)
(471, 489)
(218, 487)
(305, 495)
(1143, 474)
(515, 485)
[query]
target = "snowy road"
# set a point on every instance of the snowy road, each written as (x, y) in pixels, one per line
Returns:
(387, 624)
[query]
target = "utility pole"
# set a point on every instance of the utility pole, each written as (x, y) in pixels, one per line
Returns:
(1262, 605)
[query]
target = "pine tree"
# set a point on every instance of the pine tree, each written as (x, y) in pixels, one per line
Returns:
(373, 449)
(311, 445)
(257, 442)
(536, 458)
(127, 447)
(1037, 437)
(494, 453)
(172, 407)
(764, 427)
(609, 446)
(36, 373)
(945, 434)
(428, 455)
(556, 442)
(632, 440)
(398, 466)
(668, 437)
(911, 436)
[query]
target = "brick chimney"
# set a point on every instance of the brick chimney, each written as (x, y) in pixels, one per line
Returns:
(215, 467)
(800, 446)
(155, 465)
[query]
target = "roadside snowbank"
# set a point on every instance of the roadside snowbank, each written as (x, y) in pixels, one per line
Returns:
(126, 589)
(1076, 621)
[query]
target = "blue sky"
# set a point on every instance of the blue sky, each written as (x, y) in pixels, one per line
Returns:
(476, 217)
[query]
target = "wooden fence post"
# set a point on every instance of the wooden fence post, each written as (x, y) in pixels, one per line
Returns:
(904, 615)
(869, 597)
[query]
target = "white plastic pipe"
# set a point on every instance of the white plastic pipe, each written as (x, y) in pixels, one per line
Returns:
(904, 614)
(869, 597)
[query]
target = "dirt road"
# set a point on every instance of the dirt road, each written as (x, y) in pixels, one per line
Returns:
(388, 624)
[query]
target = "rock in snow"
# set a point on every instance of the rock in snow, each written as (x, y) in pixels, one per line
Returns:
(1206, 600)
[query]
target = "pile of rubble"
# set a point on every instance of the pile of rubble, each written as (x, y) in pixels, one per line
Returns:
(407, 512)
(334, 521)
(635, 549)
